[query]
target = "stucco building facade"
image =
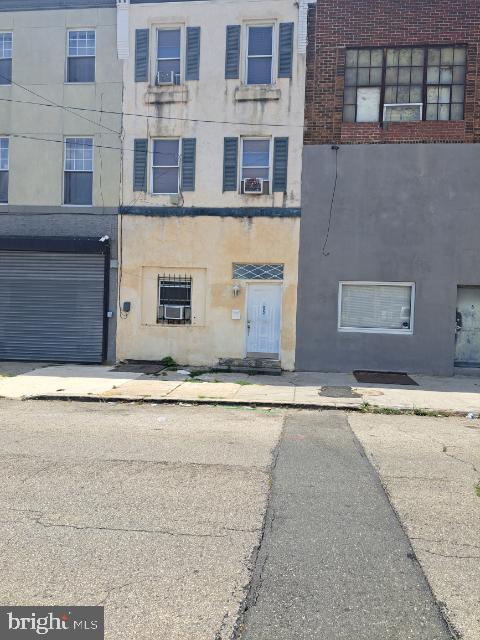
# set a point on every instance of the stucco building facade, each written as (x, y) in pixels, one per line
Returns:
(211, 194)
(389, 276)
(60, 125)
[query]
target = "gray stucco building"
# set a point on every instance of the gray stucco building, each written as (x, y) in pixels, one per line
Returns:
(60, 124)
(389, 274)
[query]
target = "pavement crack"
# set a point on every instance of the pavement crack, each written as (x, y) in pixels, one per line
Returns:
(447, 555)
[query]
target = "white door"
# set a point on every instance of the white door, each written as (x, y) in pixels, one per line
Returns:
(467, 349)
(263, 319)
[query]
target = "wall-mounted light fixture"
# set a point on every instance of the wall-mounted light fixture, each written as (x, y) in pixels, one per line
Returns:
(236, 290)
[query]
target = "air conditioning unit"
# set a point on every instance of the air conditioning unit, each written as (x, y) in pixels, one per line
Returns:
(165, 78)
(173, 312)
(253, 186)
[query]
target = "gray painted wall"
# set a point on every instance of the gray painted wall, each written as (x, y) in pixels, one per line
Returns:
(401, 213)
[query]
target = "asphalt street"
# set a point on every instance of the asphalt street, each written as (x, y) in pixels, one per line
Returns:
(205, 523)
(334, 563)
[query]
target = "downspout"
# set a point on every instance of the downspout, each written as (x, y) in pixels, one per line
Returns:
(303, 24)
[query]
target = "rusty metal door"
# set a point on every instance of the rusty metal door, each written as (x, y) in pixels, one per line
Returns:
(467, 349)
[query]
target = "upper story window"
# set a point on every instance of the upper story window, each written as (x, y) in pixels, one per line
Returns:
(168, 56)
(256, 163)
(78, 178)
(166, 166)
(259, 55)
(4, 148)
(6, 46)
(81, 56)
(404, 84)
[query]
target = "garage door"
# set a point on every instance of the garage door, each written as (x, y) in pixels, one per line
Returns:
(52, 306)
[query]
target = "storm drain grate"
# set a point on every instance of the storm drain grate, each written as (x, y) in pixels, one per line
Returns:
(384, 377)
(338, 392)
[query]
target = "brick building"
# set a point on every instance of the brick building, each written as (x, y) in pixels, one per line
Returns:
(389, 253)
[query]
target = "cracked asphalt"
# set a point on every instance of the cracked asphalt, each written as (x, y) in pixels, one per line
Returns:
(214, 523)
(153, 512)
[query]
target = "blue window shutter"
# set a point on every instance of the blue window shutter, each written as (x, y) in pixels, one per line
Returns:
(230, 164)
(280, 164)
(141, 55)
(285, 50)
(140, 153)
(193, 54)
(232, 52)
(189, 147)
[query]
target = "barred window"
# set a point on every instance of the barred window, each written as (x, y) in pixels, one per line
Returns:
(404, 84)
(174, 300)
(257, 271)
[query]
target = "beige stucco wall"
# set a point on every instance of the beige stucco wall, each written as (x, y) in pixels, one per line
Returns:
(203, 248)
(212, 98)
(39, 65)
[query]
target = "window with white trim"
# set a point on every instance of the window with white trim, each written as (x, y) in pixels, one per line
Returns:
(166, 166)
(373, 307)
(78, 178)
(168, 56)
(259, 54)
(81, 51)
(4, 167)
(6, 47)
(256, 165)
(174, 299)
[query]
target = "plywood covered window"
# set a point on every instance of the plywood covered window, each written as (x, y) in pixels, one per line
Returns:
(397, 84)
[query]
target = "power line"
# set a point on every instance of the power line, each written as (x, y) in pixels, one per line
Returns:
(145, 115)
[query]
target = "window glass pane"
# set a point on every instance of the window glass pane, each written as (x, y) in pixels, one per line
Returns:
(458, 75)
(433, 75)
(405, 57)
(364, 58)
(446, 75)
(403, 94)
(351, 58)
(259, 71)
(257, 172)
(165, 180)
(81, 43)
(260, 41)
(165, 68)
(5, 45)
(446, 56)
(349, 113)
(402, 113)
(443, 111)
(456, 112)
(434, 57)
(256, 153)
(376, 307)
(79, 154)
(444, 95)
(418, 56)
(458, 93)
(376, 76)
(168, 43)
(391, 75)
(368, 104)
(350, 96)
(417, 75)
(392, 58)
(165, 153)
(4, 154)
(431, 113)
(78, 187)
(390, 95)
(459, 55)
(4, 186)
(416, 94)
(5, 71)
(404, 75)
(81, 70)
(350, 77)
(432, 94)
(363, 76)
(376, 58)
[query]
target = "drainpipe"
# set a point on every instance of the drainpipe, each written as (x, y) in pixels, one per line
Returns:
(302, 24)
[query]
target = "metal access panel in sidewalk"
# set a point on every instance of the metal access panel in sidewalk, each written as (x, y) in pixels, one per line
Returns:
(53, 299)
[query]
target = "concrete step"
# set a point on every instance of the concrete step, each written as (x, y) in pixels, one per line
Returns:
(266, 366)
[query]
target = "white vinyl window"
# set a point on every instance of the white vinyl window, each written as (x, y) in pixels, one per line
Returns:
(169, 56)
(6, 45)
(256, 163)
(259, 54)
(376, 307)
(81, 56)
(78, 171)
(166, 166)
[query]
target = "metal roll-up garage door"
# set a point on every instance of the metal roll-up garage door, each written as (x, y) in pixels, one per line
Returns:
(52, 306)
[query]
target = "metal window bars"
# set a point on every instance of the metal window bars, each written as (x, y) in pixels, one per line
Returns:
(174, 299)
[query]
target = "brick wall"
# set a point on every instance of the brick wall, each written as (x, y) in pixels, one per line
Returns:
(335, 25)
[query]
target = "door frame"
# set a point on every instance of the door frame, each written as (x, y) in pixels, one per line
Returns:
(459, 364)
(275, 283)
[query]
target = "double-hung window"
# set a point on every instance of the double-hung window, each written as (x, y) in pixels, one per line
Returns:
(376, 307)
(404, 84)
(166, 166)
(78, 178)
(259, 54)
(6, 45)
(255, 170)
(4, 170)
(168, 56)
(81, 56)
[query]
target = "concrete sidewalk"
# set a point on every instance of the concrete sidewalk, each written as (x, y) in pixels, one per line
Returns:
(456, 395)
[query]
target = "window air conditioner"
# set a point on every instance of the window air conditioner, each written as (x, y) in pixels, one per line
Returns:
(173, 312)
(253, 186)
(165, 78)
